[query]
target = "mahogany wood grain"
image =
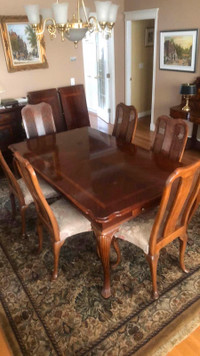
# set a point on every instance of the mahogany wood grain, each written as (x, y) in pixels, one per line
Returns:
(74, 106)
(170, 137)
(125, 122)
(49, 96)
(38, 119)
(109, 180)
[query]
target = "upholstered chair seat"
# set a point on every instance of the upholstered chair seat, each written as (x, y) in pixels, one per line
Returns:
(137, 230)
(47, 190)
(70, 220)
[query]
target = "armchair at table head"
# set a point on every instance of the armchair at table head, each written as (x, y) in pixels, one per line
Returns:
(153, 230)
(125, 122)
(170, 137)
(38, 120)
(60, 218)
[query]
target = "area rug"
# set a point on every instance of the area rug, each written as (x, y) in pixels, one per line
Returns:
(69, 316)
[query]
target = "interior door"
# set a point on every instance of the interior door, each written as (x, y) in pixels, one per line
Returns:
(98, 71)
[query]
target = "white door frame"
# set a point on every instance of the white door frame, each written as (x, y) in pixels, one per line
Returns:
(135, 16)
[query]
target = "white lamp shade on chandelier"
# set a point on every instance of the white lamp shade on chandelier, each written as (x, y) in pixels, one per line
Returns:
(56, 19)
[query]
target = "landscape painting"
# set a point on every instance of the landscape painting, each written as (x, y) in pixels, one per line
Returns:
(178, 50)
(23, 50)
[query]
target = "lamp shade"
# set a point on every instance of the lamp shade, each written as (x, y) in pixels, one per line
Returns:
(60, 12)
(102, 10)
(113, 13)
(33, 13)
(188, 89)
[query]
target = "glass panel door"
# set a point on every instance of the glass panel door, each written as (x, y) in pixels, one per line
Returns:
(97, 65)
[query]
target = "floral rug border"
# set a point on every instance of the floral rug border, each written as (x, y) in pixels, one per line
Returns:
(89, 349)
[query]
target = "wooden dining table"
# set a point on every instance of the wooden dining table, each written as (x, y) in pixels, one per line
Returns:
(108, 180)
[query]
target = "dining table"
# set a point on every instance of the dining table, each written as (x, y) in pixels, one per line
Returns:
(108, 180)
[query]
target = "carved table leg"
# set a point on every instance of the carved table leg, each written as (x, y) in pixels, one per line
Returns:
(104, 242)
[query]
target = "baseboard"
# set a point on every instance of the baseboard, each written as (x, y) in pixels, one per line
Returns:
(144, 113)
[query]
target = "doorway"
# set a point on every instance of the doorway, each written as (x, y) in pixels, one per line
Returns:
(141, 23)
(99, 72)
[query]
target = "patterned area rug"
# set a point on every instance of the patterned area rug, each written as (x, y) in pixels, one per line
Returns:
(69, 316)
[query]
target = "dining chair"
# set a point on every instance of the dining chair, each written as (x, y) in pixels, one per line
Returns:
(74, 106)
(18, 189)
(61, 218)
(125, 122)
(155, 229)
(170, 137)
(38, 120)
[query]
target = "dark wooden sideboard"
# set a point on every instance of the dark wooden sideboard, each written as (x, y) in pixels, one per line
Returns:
(193, 115)
(11, 130)
(69, 111)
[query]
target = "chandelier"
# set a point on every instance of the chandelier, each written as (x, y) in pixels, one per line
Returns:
(55, 19)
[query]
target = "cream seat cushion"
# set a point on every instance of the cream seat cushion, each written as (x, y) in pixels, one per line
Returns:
(70, 220)
(138, 230)
(47, 190)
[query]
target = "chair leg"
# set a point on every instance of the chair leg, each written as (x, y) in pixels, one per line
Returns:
(13, 205)
(183, 244)
(118, 252)
(40, 235)
(23, 217)
(56, 250)
(153, 262)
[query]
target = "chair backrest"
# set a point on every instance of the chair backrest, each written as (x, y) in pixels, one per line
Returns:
(170, 137)
(49, 96)
(179, 195)
(74, 106)
(38, 120)
(12, 181)
(125, 122)
(44, 211)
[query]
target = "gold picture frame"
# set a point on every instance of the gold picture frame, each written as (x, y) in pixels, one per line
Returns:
(23, 50)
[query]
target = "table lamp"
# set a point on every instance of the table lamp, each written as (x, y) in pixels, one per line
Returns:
(2, 90)
(187, 90)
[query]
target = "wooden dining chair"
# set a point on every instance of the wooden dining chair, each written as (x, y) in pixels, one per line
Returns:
(18, 189)
(170, 137)
(125, 122)
(60, 218)
(38, 120)
(153, 230)
(74, 106)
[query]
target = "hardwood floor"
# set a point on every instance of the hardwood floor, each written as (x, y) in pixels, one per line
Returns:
(188, 347)
(191, 345)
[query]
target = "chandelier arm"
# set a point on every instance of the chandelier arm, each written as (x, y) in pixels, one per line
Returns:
(43, 24)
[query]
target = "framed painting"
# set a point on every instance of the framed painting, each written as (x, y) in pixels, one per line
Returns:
(149, 37)
(178, 50)
(23, 50)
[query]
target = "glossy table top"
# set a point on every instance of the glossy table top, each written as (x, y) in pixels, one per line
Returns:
(104, 177)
